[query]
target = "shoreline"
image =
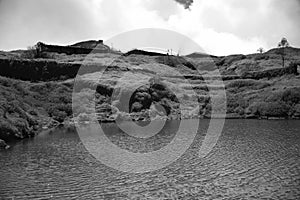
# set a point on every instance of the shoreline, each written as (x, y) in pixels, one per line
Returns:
(70, 123)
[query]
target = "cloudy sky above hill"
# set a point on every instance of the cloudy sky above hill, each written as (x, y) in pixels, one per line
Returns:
(220, 27)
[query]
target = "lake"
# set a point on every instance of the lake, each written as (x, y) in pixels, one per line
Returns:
(253, 159)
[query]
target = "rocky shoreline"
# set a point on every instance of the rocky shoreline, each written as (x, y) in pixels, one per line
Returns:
(71, 122)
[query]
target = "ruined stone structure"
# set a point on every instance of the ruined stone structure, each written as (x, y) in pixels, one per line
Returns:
(85, 47)
(143, 52)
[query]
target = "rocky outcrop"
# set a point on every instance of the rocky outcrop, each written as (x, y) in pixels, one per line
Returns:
(3, 144)
(136, 103)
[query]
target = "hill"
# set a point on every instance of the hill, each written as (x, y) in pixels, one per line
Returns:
(36, 91)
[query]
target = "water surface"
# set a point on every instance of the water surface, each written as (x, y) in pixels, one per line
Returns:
(253, 159)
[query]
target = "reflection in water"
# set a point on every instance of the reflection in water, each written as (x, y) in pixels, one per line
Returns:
(252, 160)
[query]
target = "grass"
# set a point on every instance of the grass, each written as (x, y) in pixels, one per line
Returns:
(24, 105)
(237, 86)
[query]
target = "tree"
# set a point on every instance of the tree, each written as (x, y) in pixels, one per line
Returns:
(260, 50)
(31, 52)
(282, 45)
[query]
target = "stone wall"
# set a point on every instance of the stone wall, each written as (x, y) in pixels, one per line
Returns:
(42, 70)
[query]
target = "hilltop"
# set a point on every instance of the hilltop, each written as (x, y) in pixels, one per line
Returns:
(36, 90)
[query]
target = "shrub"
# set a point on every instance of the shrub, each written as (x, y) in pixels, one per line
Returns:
(59, 116)
(270, 109)
(21, 124)
(136, 107)
(83, 117)
(52, 108)
(296, 111)
(61, 98)
(7, 130)
(235, 104)
(236, 85)
(241, 83)
(261, 57)
(290, 96)
(22, 103)
(30, 53)
(5, 82)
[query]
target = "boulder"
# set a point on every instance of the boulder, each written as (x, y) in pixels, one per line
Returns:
(3, 144)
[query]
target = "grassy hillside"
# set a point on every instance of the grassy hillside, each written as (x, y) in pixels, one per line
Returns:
(37, 92)
(27, 107)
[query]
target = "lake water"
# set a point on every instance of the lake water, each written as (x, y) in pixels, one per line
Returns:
(253, 159)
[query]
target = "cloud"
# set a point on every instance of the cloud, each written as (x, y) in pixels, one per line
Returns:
(220, 27)
(26, 22)
(185, 3)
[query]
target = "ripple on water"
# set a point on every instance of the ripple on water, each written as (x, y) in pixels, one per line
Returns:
(252, 160)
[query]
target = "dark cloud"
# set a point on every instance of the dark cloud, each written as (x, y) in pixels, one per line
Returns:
(185, 3)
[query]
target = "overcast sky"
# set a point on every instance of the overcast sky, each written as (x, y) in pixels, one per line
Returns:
(220, 27)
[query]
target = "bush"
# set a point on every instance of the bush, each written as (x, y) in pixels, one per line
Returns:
(261, 57)
(296, 111)
(7, 130)
(237, 85)
(235, 104)
(270, 109)
(59, 116)
(53, 109)
(290, 96)
(22, 125)
(22, 103)
(30, 53)
(61, 98)
(136, 107)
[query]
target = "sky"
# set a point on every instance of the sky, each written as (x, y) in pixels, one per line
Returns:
(220, 27)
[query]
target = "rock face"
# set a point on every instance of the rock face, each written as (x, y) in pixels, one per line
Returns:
(156, 93)
(154, 97)
(3, 144)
